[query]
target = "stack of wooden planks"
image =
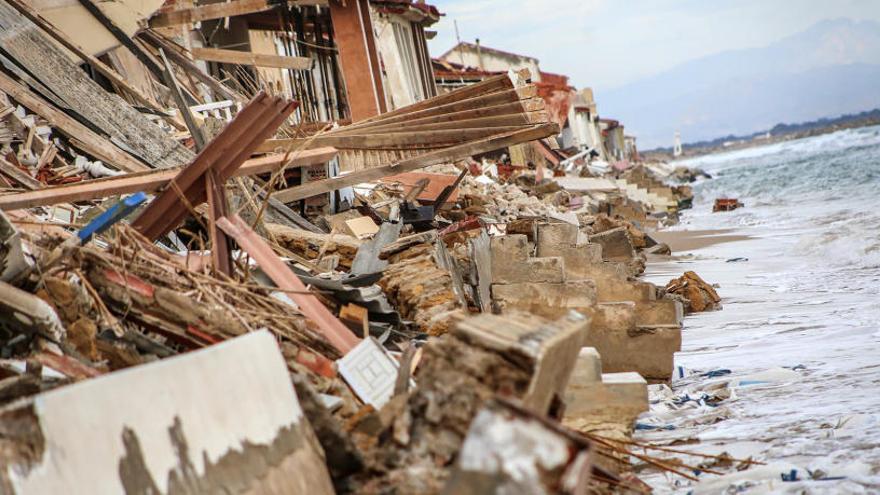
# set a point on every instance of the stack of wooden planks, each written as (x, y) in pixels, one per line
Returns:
(491, 115)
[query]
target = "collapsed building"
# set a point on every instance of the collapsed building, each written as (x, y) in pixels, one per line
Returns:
(260, 247)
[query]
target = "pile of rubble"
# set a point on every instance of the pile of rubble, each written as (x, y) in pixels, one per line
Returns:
(197, 303)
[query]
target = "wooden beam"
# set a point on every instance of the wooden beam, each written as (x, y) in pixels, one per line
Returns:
(250, 58)
(491, 85)
(208, 12)
(123, 38)
(150, 181)
(96, 64)
(519, 118)
(398, 140)
(20, 176)
(194, 130)
(174, 52)
(91, 143)
(506, 96)
(440, 156)
(515, 107)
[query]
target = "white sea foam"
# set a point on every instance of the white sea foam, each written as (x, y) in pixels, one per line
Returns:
(809, 297)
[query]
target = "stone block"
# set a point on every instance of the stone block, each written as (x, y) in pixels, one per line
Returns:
(626, 346)
(511, 262)
(619, 398)
(588, 367)
(546, 298)
(663, 312)
(616, 244)
(566, 241)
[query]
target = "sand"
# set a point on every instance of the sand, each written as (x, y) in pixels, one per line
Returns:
(689, 240)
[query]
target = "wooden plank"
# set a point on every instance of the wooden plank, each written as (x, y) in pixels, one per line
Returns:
(90, 142)
(491, 85)
(218, 11)
(507, 96)
(208, 12)
(103, 111)
(433, 158)
(150, 181)
(513, 119)
(20, 176)
(250, 58)
(96, 64)
(174, 52)
(515, 107)
(399, 140)
(194, 130)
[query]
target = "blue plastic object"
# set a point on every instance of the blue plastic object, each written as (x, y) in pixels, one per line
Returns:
(114, 214)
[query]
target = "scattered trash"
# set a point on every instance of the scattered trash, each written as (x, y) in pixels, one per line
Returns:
(726, 204)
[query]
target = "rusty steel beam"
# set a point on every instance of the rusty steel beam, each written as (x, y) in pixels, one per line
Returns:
(336, 333)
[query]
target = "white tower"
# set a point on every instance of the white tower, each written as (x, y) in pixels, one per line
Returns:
(676, 146)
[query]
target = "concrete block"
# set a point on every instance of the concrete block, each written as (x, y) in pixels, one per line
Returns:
(511, 262)
(660, 312)
(625, 346)
(611, 281)
(573, 294)
(588, 367)
(566, 241)
(223, 419)
(550, 349)
(616, 244)
(619, 398)
(550, 270)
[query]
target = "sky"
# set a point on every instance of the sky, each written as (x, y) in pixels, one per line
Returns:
(605, 44)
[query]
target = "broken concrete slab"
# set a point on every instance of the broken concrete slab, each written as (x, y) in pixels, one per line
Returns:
(627, 346)
(512, 263)
(615, 399)
(616, 244)
(221, 419)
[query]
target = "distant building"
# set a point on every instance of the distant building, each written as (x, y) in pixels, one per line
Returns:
(582, 130)
(490, 60)
(613, 139)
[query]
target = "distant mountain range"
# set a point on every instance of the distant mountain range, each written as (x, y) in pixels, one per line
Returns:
(832, 68)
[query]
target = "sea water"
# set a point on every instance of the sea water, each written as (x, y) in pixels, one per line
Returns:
(805, 306)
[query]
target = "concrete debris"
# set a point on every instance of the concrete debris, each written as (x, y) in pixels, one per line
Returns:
(372, 285)
(697, 294)
(148, 431)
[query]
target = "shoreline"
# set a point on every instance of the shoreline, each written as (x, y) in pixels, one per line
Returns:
(691, 240)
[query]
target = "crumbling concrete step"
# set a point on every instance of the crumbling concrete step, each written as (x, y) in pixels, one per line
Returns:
(611, 398)
(551, 300)
(659, 312)
(627, 346)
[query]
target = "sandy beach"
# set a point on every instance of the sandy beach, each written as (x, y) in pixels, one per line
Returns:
(688, 240)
